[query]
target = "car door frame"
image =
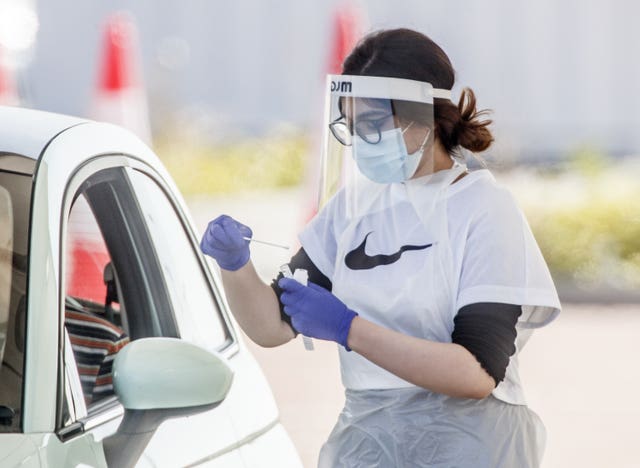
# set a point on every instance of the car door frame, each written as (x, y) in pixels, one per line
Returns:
(63, 166)
(112, 410)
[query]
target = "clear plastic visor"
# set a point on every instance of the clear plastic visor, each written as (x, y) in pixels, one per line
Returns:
(377, 131)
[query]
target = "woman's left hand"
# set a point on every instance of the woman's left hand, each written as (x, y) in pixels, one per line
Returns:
(315, 312)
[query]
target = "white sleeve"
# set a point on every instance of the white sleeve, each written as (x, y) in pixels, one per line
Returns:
(502, 263)
(319, 237)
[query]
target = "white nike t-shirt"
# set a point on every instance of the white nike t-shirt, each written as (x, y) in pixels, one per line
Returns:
(494, 257)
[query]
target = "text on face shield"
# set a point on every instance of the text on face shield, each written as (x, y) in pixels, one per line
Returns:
(341, 86)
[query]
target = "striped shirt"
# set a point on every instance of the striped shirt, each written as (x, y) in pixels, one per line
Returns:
(95, 342)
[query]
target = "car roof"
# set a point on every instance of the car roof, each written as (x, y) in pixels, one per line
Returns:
(66, 142)
(27, 132)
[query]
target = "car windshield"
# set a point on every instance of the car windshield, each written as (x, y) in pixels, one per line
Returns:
(15, 201)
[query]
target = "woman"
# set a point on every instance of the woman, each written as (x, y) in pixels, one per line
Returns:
(425, 273)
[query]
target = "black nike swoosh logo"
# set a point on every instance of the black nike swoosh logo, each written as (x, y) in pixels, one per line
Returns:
(358, 259)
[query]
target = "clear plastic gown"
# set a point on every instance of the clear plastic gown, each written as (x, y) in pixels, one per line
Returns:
(413, 427)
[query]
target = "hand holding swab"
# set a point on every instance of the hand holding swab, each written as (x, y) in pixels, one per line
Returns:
(301, 276)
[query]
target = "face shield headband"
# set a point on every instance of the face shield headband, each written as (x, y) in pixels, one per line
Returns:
(377, 130)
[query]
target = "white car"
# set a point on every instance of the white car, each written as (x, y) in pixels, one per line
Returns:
(116, 345)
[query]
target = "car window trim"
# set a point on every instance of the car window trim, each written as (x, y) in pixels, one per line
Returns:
(78, 409)
(104, 412)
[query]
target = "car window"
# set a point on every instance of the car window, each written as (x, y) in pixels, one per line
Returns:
(114, 288)
(194, 304)
(15, 200)
(93, 318)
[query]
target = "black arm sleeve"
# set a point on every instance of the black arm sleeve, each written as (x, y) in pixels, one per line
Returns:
(300, 260)
(488, 331)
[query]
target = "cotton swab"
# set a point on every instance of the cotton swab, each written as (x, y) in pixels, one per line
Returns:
(251, 239)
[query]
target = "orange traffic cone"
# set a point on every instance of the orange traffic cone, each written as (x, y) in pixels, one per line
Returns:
(348, 24)
(87, 255)
(8, 89)
(121, 98)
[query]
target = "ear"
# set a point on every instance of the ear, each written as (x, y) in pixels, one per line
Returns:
(417, 137)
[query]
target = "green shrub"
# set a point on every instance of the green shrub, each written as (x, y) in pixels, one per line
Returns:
(593, 243)
(587, 222)
(250, 165)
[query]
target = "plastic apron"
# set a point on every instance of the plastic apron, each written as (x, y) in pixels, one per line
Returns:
(388, 422)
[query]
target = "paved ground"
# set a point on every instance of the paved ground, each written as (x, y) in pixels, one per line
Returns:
(581, 374)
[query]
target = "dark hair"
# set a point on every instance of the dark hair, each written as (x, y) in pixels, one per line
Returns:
(403, 53)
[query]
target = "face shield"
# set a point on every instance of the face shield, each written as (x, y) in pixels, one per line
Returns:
(377, 131)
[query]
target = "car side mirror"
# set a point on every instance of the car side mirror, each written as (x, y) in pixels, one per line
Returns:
(160, 378)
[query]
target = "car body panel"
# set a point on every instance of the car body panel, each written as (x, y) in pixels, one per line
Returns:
(80, 451)
(18, 450)
(27, 132)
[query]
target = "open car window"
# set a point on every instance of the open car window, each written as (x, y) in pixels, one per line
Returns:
(93, 317)
(114, 290)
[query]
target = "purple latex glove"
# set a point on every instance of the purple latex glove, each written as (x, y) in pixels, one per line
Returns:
(223, 240)
(315, 312)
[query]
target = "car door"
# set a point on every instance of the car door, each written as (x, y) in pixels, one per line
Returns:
(158, 285)
(99, 233)
(120, 286)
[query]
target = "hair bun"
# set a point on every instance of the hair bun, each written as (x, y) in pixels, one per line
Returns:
(472, 131)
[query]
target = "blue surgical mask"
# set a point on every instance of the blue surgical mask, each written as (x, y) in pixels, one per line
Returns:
(388, 160)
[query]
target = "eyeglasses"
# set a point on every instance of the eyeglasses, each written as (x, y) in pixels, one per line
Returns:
(370, 130)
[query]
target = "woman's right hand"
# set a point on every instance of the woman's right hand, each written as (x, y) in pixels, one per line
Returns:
(224, 240)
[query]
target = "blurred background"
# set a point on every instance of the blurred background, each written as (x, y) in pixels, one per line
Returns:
(229, 94)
